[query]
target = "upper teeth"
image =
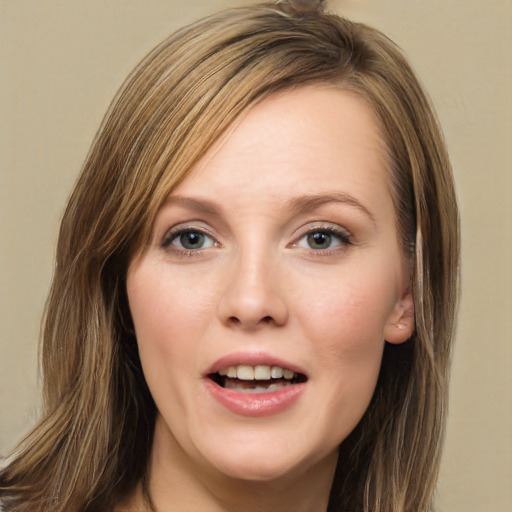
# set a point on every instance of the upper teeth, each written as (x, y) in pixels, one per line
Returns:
(259, 372)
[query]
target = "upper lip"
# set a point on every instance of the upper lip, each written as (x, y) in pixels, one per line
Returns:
(253, 359)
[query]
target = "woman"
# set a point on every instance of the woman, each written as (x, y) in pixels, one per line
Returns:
(256, 278)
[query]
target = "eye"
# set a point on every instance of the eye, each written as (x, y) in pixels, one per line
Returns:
(323, 238)
(188, 240)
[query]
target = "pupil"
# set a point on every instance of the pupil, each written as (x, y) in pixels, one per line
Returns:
(319, 240)
(191, 240)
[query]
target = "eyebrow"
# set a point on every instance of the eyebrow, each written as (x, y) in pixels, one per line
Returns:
(297, 204)
(313, 201)
(200, 205)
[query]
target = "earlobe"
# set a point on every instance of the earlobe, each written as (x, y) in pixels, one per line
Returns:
(400, 325)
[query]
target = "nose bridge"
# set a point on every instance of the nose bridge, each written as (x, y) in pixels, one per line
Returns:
(251, 296)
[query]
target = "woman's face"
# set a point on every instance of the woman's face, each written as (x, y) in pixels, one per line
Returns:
(273, 278)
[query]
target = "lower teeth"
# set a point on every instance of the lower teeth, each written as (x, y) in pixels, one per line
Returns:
(253, 387)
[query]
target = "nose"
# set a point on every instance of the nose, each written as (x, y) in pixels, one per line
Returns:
(252, 296)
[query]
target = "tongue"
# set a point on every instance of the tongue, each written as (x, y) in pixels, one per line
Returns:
(255, 386)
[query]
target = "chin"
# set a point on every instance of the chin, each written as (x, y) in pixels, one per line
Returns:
(260, 471)
(266, 461)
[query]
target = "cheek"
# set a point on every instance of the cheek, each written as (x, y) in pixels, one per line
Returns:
(166, 308)
(154, 308)
(345, 326)
(350, 317)
(169, 315)
(349, 342)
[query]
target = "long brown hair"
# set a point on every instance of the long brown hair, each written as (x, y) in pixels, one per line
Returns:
(98, 414)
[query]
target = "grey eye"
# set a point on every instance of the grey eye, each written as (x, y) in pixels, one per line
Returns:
(320, 240)
(189, 240)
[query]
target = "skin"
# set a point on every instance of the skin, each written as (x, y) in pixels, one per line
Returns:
(300, 163)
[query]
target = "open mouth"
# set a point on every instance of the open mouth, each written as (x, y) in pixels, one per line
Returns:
(256, 379)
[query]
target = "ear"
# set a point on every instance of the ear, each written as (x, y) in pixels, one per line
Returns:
(400, 324)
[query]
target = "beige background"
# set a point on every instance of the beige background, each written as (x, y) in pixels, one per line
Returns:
(61, 63)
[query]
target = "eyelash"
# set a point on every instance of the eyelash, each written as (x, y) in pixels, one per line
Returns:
(173, 235)
(342, 236)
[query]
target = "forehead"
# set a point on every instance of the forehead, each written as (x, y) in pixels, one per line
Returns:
(311, 139)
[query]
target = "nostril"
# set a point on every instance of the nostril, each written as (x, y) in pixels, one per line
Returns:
(236, 321)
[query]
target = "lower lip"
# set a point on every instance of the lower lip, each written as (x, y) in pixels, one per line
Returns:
(256, 404)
